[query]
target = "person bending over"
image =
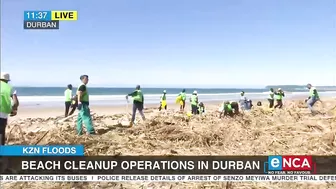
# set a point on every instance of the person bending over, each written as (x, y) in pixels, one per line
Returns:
(313, 98)
(201, 108)
(229, 109)
(249, 104)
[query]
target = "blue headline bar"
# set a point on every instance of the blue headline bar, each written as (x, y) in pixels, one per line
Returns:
(37, 15)
(34, 150)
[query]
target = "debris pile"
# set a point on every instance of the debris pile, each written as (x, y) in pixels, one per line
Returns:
(259, 132)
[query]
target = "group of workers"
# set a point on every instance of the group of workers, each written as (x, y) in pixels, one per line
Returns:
(232, 108)
(279, 94)
(276, 95)
(196, 106)
(81, 102)
(9, 103)
(227, 108)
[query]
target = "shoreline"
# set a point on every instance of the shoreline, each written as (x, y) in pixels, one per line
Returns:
(151, 100)
(45, 112)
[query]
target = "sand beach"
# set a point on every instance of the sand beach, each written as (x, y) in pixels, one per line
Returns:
(291, 130)
(103, 56)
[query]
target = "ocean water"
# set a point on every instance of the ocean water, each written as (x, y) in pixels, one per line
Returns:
(54, 96)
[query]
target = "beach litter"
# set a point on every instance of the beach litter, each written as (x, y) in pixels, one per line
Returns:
(258, 132)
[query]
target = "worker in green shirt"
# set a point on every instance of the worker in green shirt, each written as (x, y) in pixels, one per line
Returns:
(183, 98)
(194, 103)
(229, 109)
(84, 114)
(6, 107)
(313, 97)
(279, 94)
(138, 103)
(163, 101)
(68, 101)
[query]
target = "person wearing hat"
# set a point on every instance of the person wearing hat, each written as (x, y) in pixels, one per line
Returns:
(243, 101)
(84, 114)
(68, 101)
(6, 107)
(138, 103)
(313, 97)
(163, 101)
(194, 102)
(183, 98)
(279, 94)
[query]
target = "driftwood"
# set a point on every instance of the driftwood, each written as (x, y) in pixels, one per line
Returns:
(64, 119)
(21, 133)
(39, 140)
(37, 130)
(67, 118)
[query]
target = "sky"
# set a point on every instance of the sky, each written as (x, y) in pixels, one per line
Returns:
(217, 43)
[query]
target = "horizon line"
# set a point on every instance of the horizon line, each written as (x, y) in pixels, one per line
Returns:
(170, 87)
(176, 87)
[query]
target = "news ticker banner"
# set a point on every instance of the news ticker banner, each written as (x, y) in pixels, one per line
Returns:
(169, 165)
(47, 19)
(167, 178)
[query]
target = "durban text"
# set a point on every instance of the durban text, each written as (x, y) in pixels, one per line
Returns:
(236, 165)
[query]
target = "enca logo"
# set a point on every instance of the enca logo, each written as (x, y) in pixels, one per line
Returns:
(290, 163)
